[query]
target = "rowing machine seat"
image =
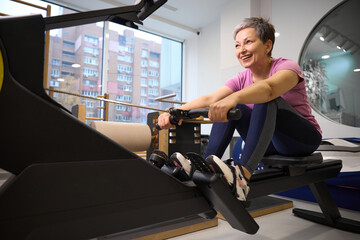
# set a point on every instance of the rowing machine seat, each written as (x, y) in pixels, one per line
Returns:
(293, 165)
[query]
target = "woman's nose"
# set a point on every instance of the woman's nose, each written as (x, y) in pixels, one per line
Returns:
(242, 49)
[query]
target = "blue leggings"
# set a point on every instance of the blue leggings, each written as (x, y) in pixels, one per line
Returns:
(269, 128)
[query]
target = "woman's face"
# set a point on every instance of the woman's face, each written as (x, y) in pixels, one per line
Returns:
(249, 49)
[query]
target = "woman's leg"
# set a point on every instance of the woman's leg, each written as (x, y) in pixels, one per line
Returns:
(276, 127)
(294, 135)
(222, 133)
(259, 135)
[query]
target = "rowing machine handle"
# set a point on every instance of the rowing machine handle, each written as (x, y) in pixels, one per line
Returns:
(234, 114)
(176, 115)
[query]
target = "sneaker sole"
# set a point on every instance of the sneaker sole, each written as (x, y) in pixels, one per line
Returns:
(199, 163)
(180, 161)
(217, 165)
(241, 191)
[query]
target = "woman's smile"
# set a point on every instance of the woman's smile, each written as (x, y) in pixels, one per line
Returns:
(250, 50)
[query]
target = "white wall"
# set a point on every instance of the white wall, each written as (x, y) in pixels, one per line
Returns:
(210, 58)
(215, 49)
(190, 66)
(231, 15)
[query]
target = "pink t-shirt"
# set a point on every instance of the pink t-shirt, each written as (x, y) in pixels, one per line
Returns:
(296, 97)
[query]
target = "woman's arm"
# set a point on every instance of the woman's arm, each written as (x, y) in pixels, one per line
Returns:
(201, 102)
(260, 92)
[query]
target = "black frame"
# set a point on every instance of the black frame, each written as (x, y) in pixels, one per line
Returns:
(123, 15)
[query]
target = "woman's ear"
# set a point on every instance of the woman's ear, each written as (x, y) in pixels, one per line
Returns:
(268, 46)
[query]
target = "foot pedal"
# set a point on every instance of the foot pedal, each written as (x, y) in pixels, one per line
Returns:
(199, 162)
(216, 190)
(177, 172)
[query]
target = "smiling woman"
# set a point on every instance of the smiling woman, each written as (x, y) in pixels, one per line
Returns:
(271, 95)
(330, 58)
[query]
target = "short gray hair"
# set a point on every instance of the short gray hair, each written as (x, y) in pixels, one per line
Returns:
(264, 29)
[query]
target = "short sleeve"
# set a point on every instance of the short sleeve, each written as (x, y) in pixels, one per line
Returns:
(234, 83)
(287, 64)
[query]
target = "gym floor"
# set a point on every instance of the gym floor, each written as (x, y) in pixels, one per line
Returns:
(282, 225)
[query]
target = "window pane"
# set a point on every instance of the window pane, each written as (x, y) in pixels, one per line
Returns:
(13, 8)
(139, 67)
(75, 55)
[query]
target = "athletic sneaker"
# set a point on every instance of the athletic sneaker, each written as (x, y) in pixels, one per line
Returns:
(182, 162)
(233, 174)
(176, 165)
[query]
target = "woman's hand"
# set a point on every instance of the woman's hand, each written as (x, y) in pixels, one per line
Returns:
(218, 111)
(164, 121)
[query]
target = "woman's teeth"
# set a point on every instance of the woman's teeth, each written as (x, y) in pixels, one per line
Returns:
(246, 57)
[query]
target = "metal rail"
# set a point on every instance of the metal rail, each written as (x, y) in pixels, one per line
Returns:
(106, 100)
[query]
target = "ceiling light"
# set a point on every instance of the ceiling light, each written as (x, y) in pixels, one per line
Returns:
(325, 57)
(357, 70)
(322, 38)
(338, 47)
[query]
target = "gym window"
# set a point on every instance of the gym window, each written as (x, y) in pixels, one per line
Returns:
(81, 62)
